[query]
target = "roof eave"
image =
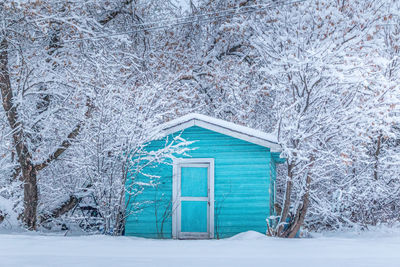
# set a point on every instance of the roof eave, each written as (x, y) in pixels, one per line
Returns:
(172, 128)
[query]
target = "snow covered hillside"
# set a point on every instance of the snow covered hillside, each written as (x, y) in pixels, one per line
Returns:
(247, 249)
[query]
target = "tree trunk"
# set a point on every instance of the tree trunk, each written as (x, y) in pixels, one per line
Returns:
(29, 172)
(287, 201)
(376, 156)
(301, 213)
(31, 196)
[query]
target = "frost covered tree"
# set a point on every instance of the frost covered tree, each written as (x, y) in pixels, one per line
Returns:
(318, 60)
(371, 192)
(43, 96)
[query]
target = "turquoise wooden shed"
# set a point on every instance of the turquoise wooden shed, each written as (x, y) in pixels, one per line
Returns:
(224, 185)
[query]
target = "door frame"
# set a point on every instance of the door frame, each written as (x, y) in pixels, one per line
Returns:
(176, 197)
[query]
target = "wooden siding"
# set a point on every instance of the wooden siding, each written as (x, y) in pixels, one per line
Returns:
(243, 173)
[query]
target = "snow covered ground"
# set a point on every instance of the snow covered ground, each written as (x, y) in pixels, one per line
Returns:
(247, 249)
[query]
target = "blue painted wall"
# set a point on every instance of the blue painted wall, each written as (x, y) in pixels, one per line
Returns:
(244, 177)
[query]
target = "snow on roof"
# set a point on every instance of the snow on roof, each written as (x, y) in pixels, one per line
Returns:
(224, 127)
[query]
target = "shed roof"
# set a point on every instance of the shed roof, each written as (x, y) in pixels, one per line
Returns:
(224, 127)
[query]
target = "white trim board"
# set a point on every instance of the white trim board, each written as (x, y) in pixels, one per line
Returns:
(223, 127)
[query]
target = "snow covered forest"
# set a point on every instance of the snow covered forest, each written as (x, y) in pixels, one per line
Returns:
(84, 81)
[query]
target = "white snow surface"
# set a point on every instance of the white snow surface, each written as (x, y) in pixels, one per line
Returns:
(246, 249)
